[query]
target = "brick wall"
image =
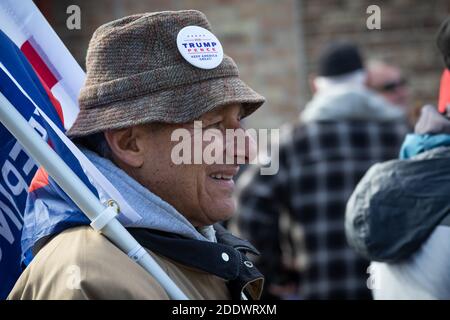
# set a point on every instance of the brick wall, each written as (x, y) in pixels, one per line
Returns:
(275, 43)
(406, 38)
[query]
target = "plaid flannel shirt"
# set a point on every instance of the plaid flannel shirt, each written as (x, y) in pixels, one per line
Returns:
(320, 165)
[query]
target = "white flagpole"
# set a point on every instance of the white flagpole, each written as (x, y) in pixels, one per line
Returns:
(103, 218)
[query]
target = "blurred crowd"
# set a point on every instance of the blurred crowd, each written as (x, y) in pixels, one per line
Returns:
(359, 207)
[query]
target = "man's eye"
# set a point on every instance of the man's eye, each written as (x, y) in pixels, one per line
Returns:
(215, 125)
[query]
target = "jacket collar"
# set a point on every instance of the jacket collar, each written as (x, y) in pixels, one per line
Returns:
(225, 237)
(226, 259)
(432, 131)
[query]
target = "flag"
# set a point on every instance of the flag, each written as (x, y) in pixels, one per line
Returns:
(24, 24)
(41, 80)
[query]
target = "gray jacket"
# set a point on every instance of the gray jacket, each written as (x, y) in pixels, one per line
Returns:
(398, 204)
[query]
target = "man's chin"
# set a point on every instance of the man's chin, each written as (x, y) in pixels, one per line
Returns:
(223, 211)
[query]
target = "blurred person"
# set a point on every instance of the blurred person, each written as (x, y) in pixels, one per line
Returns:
(398, 216)
(139, 89)
(389, 81)
(343, 130)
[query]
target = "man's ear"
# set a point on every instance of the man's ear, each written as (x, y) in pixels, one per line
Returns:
(125, 146)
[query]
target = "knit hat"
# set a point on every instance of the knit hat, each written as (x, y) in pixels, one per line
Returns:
(339, 58)
(137, 74)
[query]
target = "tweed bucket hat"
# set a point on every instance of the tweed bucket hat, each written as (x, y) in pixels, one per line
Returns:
(137, 75)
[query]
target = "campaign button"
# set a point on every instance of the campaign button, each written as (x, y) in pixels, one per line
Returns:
(200, 47)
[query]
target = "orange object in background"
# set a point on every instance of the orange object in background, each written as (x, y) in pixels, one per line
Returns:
(444, 91)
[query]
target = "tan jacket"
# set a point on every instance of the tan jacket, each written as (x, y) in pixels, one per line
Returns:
(82, 264)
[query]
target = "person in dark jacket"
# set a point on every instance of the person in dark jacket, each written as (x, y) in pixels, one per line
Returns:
(398, 216)
(343, 131)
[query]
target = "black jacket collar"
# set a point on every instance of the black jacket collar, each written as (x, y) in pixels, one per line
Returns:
(226, 259)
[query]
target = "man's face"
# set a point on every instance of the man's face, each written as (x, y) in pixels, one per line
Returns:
(201, 192)
(390, 83)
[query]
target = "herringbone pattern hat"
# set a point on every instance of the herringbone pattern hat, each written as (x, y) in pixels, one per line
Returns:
(136, 75)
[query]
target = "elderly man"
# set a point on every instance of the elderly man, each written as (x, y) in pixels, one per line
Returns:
(148, 75)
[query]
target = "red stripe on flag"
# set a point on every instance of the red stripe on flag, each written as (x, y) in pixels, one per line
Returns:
(45, 75)
(40, 180)
(38, 64)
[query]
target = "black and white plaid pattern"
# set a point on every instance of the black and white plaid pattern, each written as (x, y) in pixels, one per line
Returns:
(320, 165)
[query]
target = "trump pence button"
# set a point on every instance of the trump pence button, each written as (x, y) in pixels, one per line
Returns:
(199, 47)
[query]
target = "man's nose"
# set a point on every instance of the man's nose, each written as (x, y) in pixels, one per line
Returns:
(241, 148)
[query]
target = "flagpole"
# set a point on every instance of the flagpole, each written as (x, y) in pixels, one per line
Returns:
(103, 218)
